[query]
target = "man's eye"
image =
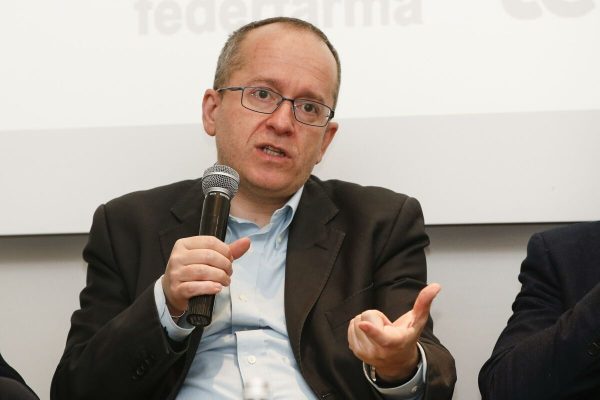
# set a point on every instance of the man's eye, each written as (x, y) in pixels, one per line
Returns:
(310, 108)
(261, 94)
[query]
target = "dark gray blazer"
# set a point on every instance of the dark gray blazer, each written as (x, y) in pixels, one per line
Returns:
(350, 248)
(550, 349)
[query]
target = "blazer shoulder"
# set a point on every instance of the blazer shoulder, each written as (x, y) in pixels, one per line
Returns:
(571, 236)
(166, 194)
(153, 208)
(570, 254)
(369, 201)
(342, 190)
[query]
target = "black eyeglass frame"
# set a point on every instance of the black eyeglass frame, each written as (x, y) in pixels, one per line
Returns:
(293, 101)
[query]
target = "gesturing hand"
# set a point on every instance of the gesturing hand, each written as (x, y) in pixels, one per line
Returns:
(391, 347)
(199, 265)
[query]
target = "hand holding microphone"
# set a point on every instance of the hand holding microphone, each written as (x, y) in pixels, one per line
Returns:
(200, 266)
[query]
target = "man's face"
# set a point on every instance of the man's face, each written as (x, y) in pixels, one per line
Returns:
(273, 153)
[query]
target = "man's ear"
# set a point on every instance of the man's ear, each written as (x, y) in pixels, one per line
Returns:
(330, 132)
(210, 107)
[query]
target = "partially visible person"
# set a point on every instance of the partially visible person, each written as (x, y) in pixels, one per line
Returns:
(550, 348)
(12, 385)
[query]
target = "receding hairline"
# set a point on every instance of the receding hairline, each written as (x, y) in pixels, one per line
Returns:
(231, 57)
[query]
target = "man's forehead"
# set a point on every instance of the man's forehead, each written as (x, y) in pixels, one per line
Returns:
(285, 44)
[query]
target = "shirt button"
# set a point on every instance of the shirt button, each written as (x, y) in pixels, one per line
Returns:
(251, 360)
(243, 297)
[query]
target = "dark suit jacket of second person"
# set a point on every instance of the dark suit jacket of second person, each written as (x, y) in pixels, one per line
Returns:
(350, 249)
(550, 348)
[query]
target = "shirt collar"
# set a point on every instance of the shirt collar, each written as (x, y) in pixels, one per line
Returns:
(286, 212)
(291, 204)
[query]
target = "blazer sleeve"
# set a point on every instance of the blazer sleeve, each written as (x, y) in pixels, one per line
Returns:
(116, 347)
(546, 351)
(397, 289)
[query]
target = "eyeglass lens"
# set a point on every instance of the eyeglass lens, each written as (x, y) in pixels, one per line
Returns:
(266, 101)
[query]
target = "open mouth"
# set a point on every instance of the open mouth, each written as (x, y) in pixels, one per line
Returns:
(273, 151)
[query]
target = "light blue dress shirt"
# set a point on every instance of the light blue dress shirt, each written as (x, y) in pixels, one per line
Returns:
(248, 338)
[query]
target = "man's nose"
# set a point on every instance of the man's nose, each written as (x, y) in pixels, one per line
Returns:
(283, 118)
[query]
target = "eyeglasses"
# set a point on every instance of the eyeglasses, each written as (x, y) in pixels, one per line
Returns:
(266, 101)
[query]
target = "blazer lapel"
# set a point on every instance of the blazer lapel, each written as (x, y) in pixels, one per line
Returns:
(186, 212)
(186, 221)
(313, 247)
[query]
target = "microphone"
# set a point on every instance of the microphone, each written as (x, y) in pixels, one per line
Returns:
(219, 184)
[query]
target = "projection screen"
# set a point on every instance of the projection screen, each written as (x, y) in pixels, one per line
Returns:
(487, 112)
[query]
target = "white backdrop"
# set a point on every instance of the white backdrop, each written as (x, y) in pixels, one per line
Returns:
(488, 112)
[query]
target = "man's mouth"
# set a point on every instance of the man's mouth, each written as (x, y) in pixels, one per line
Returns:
(273, 151)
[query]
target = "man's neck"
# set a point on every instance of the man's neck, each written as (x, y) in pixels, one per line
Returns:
(256, 209)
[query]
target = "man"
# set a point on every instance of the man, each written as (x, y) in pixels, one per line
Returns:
(319, 266)
(550, 348)
(12, 385)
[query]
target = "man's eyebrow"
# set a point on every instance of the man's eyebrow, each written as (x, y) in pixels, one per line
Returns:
(276, 85)
(268, 82)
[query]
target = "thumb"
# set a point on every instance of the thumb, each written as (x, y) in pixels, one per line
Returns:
(239, 247)
(422, 305)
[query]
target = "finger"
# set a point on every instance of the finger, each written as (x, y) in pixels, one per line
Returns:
(187, 290)
(423, 304)
(204, 242)
(351, 335)
(206, 257)
(373, 333)
(239, 247)
(202, 272)
(356, 338)
(376, 317)
(177, 295)
(369, 327)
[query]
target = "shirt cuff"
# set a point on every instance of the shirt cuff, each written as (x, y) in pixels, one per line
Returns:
(411, 390)
(174, 331)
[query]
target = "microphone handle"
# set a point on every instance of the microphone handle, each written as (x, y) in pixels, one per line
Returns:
(213, 222)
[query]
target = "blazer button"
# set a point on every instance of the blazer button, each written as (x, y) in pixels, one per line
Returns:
(594, 349)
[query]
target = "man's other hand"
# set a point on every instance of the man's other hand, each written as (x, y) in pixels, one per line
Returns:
(391, 347)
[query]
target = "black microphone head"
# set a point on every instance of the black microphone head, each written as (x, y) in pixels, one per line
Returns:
(220, 178)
